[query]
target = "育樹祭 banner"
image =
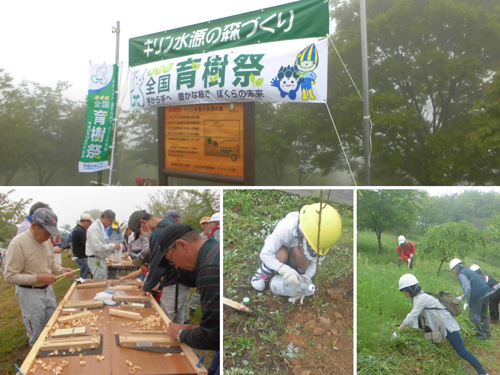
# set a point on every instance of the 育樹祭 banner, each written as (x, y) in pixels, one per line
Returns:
(101, 104)
(297, 20)
(291, 71)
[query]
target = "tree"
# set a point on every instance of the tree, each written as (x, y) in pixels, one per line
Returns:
(11, 213)
(191, 204)
(385, 210)
(451, 240)
(142, 136)
(428, 62)
(486, 120)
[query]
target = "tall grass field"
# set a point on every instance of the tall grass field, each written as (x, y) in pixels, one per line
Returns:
(380, 306)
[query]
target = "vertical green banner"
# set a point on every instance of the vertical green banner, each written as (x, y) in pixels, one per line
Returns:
(101, 108)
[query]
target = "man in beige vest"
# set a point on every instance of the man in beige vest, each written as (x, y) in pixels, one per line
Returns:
(31, 267)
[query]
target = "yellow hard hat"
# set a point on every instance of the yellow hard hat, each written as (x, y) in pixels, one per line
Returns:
(331, 226)
(115, 224)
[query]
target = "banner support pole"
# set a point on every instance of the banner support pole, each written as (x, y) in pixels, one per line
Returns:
(117, 62)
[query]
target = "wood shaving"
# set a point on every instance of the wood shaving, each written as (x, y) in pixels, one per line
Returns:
(33, 369)
(100, 358)
(168, 355)
(128, 363)
(82, 363)
(182, 353)
(80, 356)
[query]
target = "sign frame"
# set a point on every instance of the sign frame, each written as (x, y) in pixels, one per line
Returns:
(248, 178)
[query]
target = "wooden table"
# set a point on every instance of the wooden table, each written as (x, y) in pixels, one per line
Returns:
(114, 355)
(115, 267)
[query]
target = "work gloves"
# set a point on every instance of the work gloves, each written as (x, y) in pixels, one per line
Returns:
(465, 306)
(290, 276)
(306, 278)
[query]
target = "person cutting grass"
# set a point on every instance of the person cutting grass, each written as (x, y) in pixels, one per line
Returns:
(430, 315)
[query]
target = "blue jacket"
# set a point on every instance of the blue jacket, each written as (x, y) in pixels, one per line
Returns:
(473, 285)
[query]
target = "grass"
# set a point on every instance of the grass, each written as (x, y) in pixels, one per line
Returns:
(253, 343)
(381, 306)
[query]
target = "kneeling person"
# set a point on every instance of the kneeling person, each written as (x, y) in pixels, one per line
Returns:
(292, 249)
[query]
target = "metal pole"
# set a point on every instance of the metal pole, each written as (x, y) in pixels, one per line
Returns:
(117, 62)
(366, 103)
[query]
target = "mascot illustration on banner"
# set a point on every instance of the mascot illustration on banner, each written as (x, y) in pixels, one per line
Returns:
(307, 61)
(287, 81)
(136, 95)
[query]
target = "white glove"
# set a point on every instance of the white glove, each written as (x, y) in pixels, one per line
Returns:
(409, 260)
(290, 276)
(465, 306)
(74, 259)
(411, 255)
(460, 298)
(306, 278)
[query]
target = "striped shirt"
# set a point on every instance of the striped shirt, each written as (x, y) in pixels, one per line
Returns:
(207, 336)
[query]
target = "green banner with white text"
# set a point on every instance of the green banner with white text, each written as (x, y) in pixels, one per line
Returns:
(101, 108)
(298, 20)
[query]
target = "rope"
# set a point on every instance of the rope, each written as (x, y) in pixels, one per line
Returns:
(360, 96)
(341, 145)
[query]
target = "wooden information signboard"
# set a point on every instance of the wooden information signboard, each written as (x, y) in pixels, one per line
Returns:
(213, 142)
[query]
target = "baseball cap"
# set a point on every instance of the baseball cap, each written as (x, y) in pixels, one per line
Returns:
(205, 219)
(135, 219)
(47, 219)
(87, 216)
(142, 260)
(172, 214)
(110, 214)
(167, 237)
(215, 217)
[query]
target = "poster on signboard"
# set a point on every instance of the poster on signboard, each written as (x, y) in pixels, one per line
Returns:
(292, 71)
(205, 139)
(101, 104)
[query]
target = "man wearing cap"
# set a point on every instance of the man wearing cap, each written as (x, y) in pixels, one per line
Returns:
(98, 245)
(176, 285)
(31, 267)
(26, 224)
(214, 226)
(79, 238)
(205, 227)
(181, 245)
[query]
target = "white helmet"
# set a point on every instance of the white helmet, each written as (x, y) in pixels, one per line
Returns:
(407, 280)
(454, 262)
(401, 239)
(474, 267)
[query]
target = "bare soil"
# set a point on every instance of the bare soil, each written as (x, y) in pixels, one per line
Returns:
(325, 344)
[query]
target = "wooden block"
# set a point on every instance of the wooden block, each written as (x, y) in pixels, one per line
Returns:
(70, 318)
(84, 304)
(136, 306)
(147, 341)
(69, 332)
(69, 311)
(66, 343)
(124, 287)
(96, 284)
(125, 314)
(131, 298)
(124, 282)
